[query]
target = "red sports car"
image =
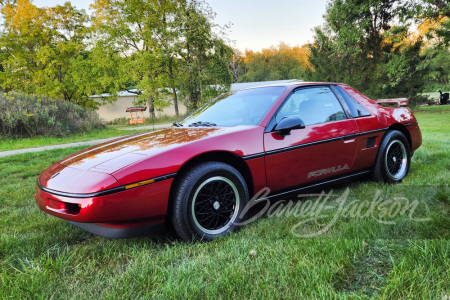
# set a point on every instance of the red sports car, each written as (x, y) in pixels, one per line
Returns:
(199, 174)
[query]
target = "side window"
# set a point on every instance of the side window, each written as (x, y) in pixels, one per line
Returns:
(312, 105)
(356, 109)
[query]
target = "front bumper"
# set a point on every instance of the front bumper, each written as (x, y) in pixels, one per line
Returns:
(144, 202)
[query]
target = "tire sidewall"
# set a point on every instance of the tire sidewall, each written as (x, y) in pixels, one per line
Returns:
(204, 172)
(380, 165)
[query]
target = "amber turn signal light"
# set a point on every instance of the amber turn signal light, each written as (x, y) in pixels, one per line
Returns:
(130, 186)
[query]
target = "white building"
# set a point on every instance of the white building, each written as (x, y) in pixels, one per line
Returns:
(111, 111)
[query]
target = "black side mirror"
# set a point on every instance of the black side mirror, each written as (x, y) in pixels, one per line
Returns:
(287, 124)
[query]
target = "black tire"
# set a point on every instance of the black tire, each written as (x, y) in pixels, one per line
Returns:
(207, 201)
(393, 158)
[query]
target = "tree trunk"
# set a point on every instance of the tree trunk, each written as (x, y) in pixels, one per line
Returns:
(175, 101)
(200, 78)
(174, 91)
(194, 97)
(151, 107)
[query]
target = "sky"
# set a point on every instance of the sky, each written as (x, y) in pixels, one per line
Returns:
(255, 24)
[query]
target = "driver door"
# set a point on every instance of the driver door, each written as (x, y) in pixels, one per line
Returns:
(325, 148)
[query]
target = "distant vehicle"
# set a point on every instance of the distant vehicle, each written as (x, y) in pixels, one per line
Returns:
(200, 174)
(443, 98)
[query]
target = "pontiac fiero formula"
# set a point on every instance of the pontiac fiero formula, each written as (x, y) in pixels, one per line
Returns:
(199, 174)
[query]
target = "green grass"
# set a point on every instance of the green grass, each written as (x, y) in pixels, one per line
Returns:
(358, 258)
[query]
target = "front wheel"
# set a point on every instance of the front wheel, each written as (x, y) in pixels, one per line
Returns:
(208, 201)
(393, 158)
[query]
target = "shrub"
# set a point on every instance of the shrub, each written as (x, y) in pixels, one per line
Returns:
(28, 116)
(418, 100)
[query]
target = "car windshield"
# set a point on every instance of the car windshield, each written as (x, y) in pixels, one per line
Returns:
(246, 107)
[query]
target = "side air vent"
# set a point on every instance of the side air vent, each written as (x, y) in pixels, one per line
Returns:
(371, 142)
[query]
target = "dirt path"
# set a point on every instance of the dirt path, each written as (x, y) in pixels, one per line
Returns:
(37, 149)
(156, 126)
(93, 142)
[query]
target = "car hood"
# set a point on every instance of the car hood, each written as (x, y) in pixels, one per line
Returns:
(114, 155)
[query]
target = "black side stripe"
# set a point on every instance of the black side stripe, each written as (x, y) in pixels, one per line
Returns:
(372, 131)
(320, 183)
(303, 145)
(101, 193)
(257, 155)
(345, 137)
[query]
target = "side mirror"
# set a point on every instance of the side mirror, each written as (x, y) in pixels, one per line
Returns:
(287, 124)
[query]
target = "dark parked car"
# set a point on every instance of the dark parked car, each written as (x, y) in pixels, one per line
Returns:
(443, 98)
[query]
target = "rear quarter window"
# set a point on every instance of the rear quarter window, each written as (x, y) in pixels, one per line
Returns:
(356, 109)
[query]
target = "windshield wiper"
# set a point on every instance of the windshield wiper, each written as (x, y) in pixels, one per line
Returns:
(177, 124)
(201, 123)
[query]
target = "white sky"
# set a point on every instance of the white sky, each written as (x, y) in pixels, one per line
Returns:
(256, 24)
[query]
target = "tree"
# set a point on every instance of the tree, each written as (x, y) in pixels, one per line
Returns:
(434, 10)
(40, 48)
(165, 43)
(439, 66)
(204, 56)
(276, 63)
(125, 35)
(237, 65)
(361, 45)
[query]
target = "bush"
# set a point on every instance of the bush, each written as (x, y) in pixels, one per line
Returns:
(28, 116)
(418, 100)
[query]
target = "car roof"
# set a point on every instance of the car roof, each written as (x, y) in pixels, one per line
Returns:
(287, 84)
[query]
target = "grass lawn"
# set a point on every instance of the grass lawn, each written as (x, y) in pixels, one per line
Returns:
(357, 257)
(7, 144)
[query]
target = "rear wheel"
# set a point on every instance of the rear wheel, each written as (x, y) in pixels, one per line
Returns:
(393, 159)
(208, 200)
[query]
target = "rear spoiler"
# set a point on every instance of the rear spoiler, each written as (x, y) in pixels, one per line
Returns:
(398, 101)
